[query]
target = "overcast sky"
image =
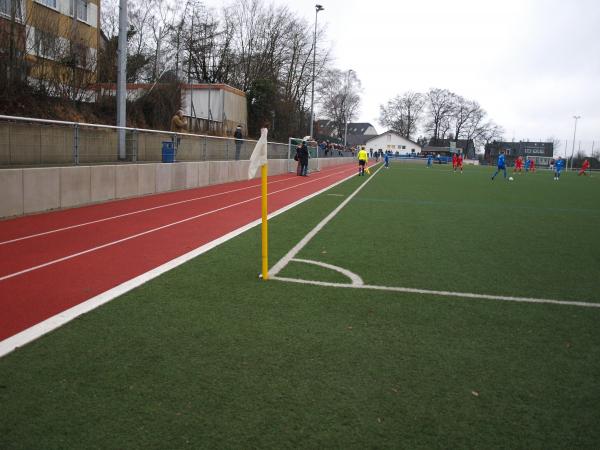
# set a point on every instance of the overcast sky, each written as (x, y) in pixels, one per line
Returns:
(531, 64)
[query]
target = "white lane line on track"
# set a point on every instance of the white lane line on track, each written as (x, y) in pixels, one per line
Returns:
(152, 230)
(312, 233)
(139, 211)
(30, 334)
(441, 293)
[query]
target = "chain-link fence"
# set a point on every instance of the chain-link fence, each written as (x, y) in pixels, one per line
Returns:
(33, 142)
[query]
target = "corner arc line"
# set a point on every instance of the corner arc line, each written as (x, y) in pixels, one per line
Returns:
(354, 278)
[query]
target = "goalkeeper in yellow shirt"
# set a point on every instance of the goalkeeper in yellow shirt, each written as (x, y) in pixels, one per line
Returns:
(363, 157)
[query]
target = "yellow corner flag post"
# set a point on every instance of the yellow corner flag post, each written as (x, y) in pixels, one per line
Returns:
(259, 159)
(264, 170)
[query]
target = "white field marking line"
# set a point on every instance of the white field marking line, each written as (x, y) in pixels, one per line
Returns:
(152, 230)
(300, 245)
(139, 211)
(442, 293)
(34, 332)
(356, 279)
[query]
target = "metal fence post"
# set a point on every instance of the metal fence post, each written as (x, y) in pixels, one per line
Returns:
(205, 138)
(10, 148)
(134, 145)
(76, 144)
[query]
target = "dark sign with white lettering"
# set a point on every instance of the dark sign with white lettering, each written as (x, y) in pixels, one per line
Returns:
(534, 150)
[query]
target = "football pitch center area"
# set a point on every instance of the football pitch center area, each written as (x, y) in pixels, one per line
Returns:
(331, 352)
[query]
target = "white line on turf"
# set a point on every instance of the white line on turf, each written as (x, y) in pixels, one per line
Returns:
(32, 333)
(152, 230)
(356, 280)
(139, 211)
(311, 234)
(441, 293)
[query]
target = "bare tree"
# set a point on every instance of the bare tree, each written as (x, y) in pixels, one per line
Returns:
(440, 106)
(489, 132)
(208, 45)
(465, 114)
(109, 19)
(339, 97)
(139, 43)
(403, 113)
(162, 24)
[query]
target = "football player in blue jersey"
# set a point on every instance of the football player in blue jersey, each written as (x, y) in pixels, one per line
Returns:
(558, 168)
(501, 165)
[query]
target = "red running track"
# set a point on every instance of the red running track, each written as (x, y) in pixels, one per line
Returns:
(51, 262)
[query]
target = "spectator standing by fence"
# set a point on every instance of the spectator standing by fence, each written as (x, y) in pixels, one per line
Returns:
(238, 141)
(303, 159)
(178, 125)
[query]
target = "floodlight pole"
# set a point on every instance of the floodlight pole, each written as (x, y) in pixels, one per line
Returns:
(312, 97)
(574, 133)
(346, 111)
(122, 78)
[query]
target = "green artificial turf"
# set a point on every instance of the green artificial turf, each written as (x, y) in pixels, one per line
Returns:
(208, 356)
(435, 229)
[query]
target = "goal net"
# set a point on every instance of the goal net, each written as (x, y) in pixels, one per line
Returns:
(314, 159)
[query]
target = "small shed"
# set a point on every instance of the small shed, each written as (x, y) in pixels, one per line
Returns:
(215, 107)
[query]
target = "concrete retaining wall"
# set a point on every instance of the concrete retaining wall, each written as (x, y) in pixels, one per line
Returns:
(30, 190)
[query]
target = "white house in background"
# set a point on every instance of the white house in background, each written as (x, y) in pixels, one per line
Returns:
(390, 140)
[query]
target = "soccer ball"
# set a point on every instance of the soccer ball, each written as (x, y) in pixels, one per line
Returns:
(510, 179)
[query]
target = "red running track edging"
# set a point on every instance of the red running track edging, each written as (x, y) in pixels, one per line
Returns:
(54, 262)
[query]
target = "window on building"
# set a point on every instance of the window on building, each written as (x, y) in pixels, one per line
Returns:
(11, 8)
(5, 7)
(82, 10)
(80, 55)
(50, 3)
(45, 44)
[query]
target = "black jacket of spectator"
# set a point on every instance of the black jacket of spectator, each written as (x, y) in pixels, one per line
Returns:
(303, 154)
(238, 133)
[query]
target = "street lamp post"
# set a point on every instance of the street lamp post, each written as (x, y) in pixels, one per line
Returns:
(346, 111)
(312, 98)
(574, 133)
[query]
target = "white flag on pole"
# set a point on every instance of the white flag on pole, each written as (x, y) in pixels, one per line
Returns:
(259, 154)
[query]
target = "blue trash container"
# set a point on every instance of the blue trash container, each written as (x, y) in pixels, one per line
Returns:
(168, 152)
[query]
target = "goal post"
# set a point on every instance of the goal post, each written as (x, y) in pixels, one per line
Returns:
(314, 158)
